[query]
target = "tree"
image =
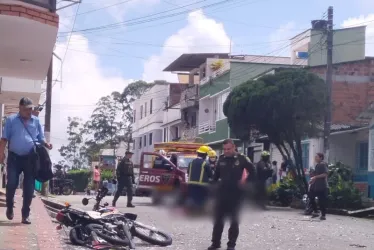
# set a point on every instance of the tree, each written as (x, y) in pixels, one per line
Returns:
(74, 152)
(106, 122)
(287, 107)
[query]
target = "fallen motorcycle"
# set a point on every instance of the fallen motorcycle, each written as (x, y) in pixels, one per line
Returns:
(108, 224)
(125, 225)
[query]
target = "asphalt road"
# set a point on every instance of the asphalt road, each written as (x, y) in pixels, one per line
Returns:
(276, 229)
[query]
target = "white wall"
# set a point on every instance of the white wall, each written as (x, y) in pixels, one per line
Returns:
(158, 94)
(343, 147)
(9, 84)
(156, 138)
(172, 115)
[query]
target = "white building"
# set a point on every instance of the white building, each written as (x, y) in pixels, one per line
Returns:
(148, 118)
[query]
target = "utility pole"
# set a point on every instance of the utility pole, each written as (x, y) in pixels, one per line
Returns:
(47, 122)
(329, 72)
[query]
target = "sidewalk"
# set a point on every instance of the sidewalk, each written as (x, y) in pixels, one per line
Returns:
(40, 235)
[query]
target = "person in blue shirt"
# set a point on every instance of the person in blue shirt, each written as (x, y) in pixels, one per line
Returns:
(20, 132)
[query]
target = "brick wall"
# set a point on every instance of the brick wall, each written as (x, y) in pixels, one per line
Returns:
(352, 90)
(45, 17)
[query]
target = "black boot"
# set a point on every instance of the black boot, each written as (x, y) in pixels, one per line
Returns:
(214, 247)
(130, 205)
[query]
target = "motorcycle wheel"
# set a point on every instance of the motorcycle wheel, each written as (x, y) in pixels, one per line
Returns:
(77, 236)
(110, 238)
(67, 190)
(152, 236)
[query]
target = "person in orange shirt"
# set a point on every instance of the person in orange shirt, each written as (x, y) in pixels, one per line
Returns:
(96, 178)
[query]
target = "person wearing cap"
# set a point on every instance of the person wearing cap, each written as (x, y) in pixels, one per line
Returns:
(199, 174)
(126, 178)
(21, 131)
(229, 195)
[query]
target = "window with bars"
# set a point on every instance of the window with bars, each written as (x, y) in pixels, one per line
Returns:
(362, 155)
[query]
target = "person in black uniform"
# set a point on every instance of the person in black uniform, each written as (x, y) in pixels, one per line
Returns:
(230, 167)
(125, 177)
(264, 172)
(199, 174)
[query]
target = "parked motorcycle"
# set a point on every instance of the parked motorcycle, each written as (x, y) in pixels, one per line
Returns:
(61, 186)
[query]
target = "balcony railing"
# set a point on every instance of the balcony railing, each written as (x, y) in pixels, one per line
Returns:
(48, 4)
(218, 72)
(206, 127)
(189, 134)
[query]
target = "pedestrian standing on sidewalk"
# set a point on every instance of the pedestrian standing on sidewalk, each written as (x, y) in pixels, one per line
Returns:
(319, 186)
(229, 169)
(96, 178)
(20, 132)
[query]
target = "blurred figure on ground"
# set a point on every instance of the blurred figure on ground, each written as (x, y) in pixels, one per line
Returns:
(319, 186)
(125, 178)
(275, 171)
(96, 178)
(212, 159)
(229, 196)
(199, 175)
(264, 172)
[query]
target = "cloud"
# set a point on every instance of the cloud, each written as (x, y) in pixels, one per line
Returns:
(120, 7)
(280, 39)
(83, 83)
(360, 21)
(201, 34)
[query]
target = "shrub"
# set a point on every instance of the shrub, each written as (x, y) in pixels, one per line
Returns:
(81, 178)
(283, 192)
(343, 193)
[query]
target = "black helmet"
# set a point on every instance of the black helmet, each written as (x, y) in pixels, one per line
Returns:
(114, 181)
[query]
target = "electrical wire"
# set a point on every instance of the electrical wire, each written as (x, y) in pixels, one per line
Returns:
(102, 8)
(141, 20)
(66, 50)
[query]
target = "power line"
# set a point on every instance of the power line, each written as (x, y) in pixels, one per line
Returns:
(137, 21)
(98, 9)
(66, 50)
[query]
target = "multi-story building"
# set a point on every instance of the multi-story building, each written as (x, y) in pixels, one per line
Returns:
(29, 29)
(153, 117)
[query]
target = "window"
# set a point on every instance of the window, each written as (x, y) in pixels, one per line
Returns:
(193, 120)
(145, 140)
(141, 112)
(176, 132)
(305, 154)
(362, 155)
(165, 134)
(133, 145)
(150, 138)
(145, 109)
(134, 118)
(219, 106)
(140, 142)
(150, 106)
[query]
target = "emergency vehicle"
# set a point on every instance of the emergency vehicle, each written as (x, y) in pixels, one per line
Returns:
(158, 179)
